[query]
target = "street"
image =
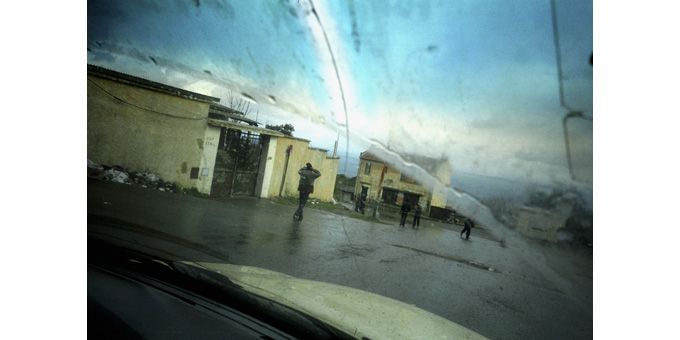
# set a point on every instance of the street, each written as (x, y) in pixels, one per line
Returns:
(501, 292)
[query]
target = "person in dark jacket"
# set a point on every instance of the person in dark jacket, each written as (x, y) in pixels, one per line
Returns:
(361, 204)
(405, 208)
(469, 224)
(306, 186)
(416, 216)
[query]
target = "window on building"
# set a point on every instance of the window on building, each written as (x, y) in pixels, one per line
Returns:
(389, 196)
(367, 168)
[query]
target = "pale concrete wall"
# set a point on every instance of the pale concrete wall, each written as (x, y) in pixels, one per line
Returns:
(291, 181)
(208, 155)
(122, 134)
(300, 155)
(439, 192)
(439, 197)
(325, 186)
(267, 168)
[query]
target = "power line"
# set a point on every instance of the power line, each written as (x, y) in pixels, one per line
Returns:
(558, 54)
(141, 107)
(337, 75)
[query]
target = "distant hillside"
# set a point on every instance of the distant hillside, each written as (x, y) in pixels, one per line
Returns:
(484, 187)
(352, 165)
(489, 187)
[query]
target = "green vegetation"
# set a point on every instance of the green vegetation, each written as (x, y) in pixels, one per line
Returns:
(286, 129)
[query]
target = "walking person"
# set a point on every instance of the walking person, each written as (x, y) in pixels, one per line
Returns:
(405, 208)
(306, 186)
(469, 224)
(416, 216)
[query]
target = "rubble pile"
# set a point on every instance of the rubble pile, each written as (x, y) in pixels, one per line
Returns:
(147, 179)
(118, 174)
(94, 170)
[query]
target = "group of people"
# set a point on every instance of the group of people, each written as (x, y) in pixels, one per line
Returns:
(405, 209)
(306, 186)
(468, 224)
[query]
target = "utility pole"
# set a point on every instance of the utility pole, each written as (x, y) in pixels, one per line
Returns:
(377, 200)
(335, 149)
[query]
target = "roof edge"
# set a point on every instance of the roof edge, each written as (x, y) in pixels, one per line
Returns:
(125, 78)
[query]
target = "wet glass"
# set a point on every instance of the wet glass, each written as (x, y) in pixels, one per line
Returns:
(476, 84)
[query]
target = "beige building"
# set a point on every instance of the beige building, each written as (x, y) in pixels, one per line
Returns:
(191, 140)
(290, 156)
(396, 188)
(144, 125)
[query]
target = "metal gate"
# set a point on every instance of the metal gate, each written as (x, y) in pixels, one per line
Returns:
(237, 164)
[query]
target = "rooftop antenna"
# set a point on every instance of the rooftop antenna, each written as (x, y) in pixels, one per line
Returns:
(335, 146)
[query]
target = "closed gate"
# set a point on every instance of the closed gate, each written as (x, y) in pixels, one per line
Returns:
(237, 164)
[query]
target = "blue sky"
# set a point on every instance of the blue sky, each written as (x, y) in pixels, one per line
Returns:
(475, 81)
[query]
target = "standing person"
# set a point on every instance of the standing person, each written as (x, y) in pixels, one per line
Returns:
(405, 208)
(416, 216)
(469, 224)
(362, 203)
(307, 177)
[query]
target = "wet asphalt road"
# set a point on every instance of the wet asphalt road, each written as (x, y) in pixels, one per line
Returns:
(431, 267)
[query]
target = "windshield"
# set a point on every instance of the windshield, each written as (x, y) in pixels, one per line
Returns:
(438, 153)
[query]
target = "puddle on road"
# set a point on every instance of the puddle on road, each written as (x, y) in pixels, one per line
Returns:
(348, 250)
(495, 301)
(451, 258)
(398, 259)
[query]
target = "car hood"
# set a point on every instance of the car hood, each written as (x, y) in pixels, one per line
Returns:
(355, 312)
